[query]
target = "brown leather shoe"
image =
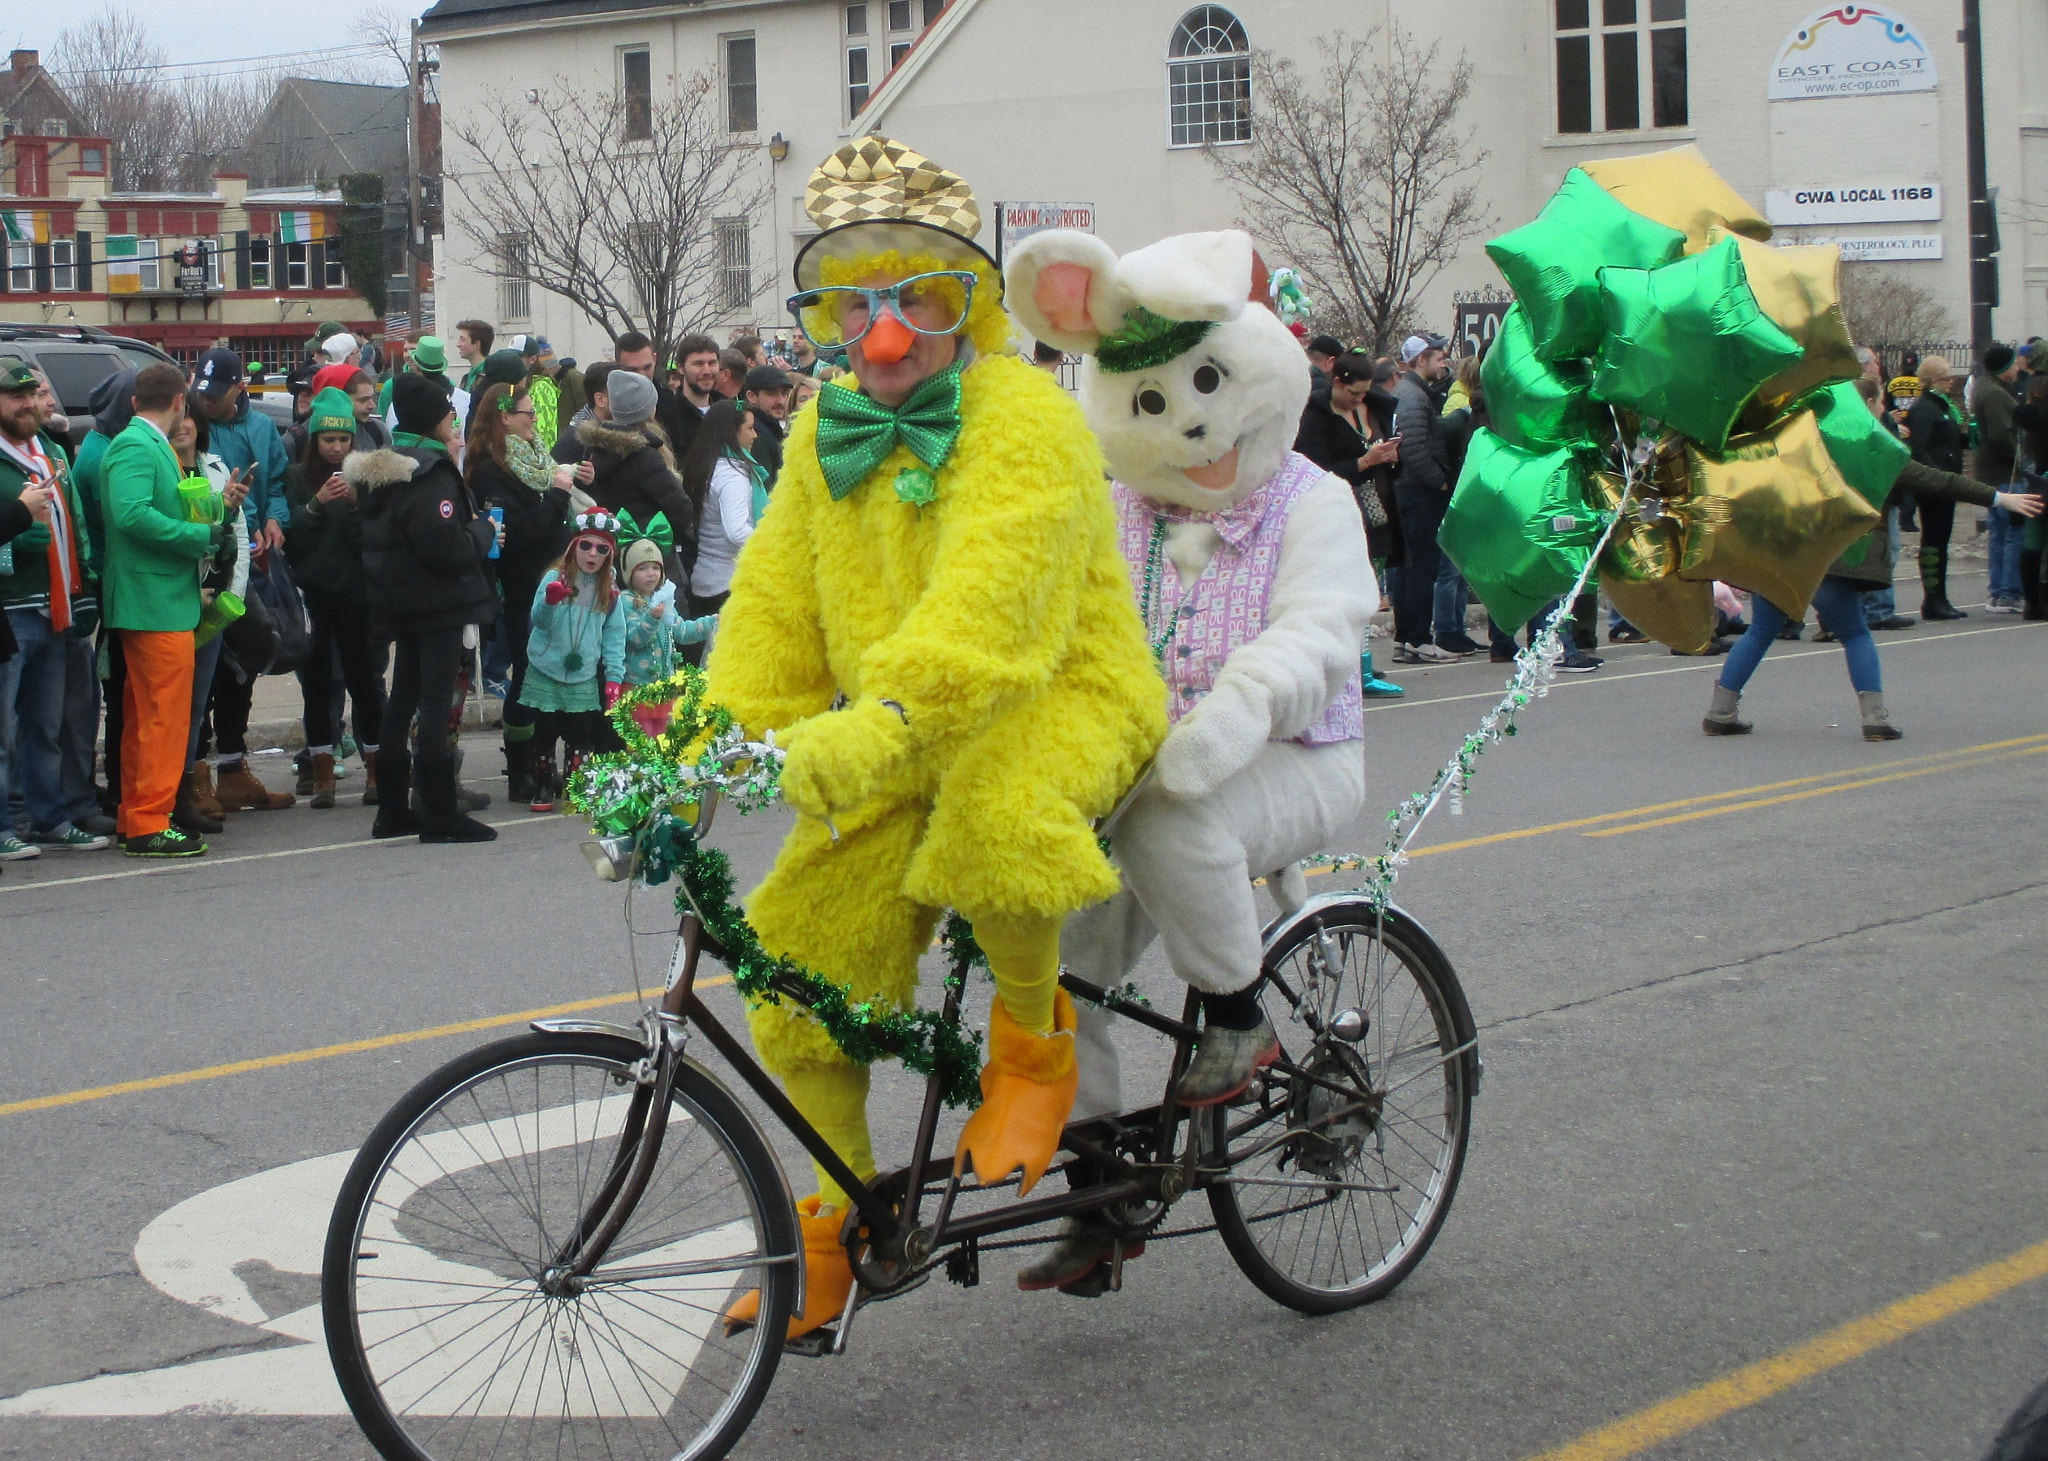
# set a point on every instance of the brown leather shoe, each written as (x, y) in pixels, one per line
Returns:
(320, 771)
(240, 791)
(200, 776)
(187, 814)
(370, 778)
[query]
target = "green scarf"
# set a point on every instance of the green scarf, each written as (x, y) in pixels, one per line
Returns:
(856, 433)
(410, 440)
(530, 462)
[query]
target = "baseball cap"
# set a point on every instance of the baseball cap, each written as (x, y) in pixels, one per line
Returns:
(219, 372)
(1413, 347)
(765, 378)
(533, 346)
(1326, 345)
(338, 347)
(17, 377)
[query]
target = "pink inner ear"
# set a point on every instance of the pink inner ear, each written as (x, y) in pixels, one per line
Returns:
(1061, 294)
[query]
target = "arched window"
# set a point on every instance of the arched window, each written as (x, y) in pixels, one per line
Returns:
(1208, 79)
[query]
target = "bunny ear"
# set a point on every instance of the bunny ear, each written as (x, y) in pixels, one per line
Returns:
(1192, 276)
(1062, 287)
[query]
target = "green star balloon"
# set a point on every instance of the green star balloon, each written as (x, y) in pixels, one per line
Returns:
(1518, 526)
(1687, 344)
(1864, 450)
(1553, 263)
(1532, 403)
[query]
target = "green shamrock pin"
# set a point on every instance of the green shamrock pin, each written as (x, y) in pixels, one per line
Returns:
(572, 661)
(917, 487)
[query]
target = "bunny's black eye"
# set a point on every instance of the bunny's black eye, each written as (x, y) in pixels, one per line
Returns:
(1206, 380)
(1151, 403)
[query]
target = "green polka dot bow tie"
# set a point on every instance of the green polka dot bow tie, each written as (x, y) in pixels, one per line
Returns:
(856, 433)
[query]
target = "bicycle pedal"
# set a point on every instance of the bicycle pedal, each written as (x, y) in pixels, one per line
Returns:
(818, 1344)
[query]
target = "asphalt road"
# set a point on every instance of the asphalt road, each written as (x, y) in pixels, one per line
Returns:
(1758, 1065)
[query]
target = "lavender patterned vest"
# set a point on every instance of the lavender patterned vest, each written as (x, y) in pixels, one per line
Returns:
(1227, 605)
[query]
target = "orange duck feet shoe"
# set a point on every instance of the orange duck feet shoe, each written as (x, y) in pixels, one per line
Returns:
(1027, 1093)
(828, 1277)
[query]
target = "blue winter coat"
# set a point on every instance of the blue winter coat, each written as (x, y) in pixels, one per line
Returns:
(571, 640)
(251, 438)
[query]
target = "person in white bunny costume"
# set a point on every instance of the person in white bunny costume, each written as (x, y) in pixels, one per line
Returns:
(1253, 578)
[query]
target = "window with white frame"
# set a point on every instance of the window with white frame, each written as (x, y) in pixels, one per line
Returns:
(21, 268)
(636, 92)
(1621, 65)
(297, 266)
(259, 263)
(336, 278)
(742, 111)
(210, 256)
(515, 287)
(932, 10)
(735, 264)
(1208, 79)
(64, 263)
(149, 274)
(858, 83)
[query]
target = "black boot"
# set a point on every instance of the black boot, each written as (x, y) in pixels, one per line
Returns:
(2030, 584)
(395, 816)
(518, 770)
(542, 797)
(442, 818)
(1934, 604)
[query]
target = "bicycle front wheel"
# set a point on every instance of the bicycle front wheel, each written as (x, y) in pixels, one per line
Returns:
(1341, 1172)
(450, 1332)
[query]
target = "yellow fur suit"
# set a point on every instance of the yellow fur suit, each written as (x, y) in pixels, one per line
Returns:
(1000, 617)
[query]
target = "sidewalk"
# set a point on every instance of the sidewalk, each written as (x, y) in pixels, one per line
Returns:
(278, 704)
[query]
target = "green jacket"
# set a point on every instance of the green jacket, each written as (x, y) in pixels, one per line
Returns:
(25, 562)
(1992, 461)
(151, 579)
(85, 472)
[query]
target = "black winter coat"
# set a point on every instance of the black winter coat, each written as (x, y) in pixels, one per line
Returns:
(425, 549)
(14, 521)
(536, 525)
(635, 475)
(1330, 441)
(324, 540)
(1936, 438)
(768, 438)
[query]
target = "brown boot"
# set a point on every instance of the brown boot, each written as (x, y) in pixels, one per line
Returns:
(320, 771)
(370, 776)
(200, 774)
(187, 814)
(240, 791)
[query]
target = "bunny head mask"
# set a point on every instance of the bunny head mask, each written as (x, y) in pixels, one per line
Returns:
(1194, 390)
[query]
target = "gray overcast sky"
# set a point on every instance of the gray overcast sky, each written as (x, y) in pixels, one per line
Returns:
(216, 31)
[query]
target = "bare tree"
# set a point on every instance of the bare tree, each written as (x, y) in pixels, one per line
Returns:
(113, 72)
(388, 34)
(615, 209)
(1361, 176)
(1891, 314)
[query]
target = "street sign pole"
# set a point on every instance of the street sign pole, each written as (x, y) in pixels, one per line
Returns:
(1983, 223)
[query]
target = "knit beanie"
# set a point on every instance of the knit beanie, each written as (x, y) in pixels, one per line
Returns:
(419, 405)
(632, 397)
(505, 367)
(639, 551)
(332, 411)
(1997, 359)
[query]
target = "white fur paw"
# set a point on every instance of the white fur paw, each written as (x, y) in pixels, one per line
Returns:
(1212, 743)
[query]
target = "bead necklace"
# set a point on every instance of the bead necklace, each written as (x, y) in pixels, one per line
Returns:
(1155, 557)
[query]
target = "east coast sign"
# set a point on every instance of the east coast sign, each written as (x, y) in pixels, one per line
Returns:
(1851, 50)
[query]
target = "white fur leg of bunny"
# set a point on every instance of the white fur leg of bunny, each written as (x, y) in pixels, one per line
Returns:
(1187, 869)
(1278, 685)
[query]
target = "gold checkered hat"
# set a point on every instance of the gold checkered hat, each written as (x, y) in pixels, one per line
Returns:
(874, 195)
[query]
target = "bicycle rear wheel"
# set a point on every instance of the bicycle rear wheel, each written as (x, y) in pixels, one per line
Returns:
(1340, 1176)
(446, 1336)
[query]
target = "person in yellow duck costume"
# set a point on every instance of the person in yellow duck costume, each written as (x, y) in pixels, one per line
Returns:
(934, 617)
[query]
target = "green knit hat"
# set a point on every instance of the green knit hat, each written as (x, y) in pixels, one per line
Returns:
(332, 411)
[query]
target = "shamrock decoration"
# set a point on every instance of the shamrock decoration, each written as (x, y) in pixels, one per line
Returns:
(572, 661)
(917, 486)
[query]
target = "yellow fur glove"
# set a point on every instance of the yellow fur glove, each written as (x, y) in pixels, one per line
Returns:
(838, 760)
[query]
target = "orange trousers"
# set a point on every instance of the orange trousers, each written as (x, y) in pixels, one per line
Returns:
(158, 706)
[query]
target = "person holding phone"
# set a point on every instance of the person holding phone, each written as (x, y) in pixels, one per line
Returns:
(324, 544)
(197, 809)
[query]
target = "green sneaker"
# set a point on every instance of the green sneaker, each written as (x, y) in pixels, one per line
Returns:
(345, 749)
(70, 839)
(13, 849)
(168, 843)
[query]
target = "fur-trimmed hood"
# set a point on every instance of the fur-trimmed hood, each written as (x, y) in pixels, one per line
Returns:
(369, 470)
(623, 442)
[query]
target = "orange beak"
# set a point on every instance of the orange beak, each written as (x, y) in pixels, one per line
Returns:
(887, 341)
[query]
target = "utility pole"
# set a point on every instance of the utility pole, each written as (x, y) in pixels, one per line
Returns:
(1983, 221)
(415, 225)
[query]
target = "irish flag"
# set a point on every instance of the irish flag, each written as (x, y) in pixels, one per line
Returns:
(124, 268)
(25, 226)
(301, 227)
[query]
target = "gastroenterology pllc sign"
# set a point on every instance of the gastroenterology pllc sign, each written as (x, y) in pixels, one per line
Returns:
(1851, 50)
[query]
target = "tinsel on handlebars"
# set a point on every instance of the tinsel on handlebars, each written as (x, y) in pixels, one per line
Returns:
(654, 790)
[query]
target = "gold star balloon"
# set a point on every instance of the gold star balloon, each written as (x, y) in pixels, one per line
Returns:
(1678, 188)
(1788, 513)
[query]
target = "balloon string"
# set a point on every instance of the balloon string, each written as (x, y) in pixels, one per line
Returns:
(1535, 669)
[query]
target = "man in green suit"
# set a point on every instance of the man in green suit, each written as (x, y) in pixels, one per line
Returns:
(150, 592)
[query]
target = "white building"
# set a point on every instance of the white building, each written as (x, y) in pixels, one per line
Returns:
(1848, 121)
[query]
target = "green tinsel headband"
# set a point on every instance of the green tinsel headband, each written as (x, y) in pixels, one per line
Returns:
(1145, 340)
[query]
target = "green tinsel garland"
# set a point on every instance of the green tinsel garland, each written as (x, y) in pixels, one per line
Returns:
(651, 790)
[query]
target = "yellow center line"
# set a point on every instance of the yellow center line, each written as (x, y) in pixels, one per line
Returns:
(1739, 1389)
(324, 1052)
(1772, 801)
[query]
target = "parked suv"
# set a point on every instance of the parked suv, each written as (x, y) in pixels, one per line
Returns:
(78, 358)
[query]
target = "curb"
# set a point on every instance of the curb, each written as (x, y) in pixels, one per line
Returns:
(479, 713)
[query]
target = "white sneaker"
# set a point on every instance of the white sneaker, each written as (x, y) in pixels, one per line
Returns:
(1430, 654)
